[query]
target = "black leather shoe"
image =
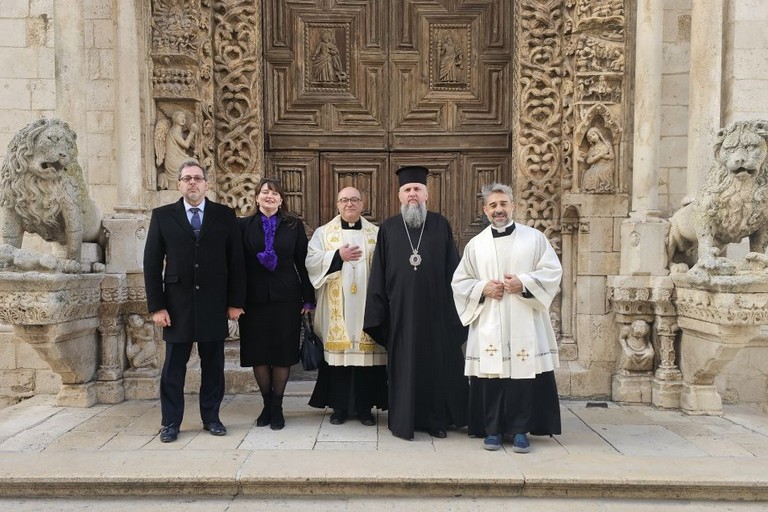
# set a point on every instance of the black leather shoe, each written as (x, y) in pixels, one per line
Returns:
(338, 417)
(169, 433)
(366, 418)
(216, 428)
(439, 433)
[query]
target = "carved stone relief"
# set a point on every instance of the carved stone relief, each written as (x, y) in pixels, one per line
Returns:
(141, 343)
(594, 78)
(636, 350)
(174, 136)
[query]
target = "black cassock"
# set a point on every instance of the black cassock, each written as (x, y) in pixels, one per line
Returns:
(412, 313)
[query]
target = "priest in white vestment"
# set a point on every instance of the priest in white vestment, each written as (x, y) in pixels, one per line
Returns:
(503, 288)
(353, 377)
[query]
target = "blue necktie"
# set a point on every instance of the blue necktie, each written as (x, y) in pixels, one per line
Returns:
(196, 222)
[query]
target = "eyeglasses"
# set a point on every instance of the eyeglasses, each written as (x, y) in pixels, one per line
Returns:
(196, 179)
(353, 200)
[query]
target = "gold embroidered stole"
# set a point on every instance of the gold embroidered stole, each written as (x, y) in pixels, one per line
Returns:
(337, 338)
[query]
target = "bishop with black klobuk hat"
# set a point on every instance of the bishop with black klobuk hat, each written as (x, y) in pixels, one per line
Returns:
(409, 309)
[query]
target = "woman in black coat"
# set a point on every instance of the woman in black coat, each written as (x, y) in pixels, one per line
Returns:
(278, 292)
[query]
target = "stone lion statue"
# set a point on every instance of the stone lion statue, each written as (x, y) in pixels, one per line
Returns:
(731, 204)
(43, 190)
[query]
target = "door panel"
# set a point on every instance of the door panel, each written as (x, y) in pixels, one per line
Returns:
(355, 89)
(367, 172)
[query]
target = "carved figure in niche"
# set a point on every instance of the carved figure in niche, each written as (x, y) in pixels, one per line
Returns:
(598, 177)
(731, 204)
(44, 192)
(172, 146)
(326, 63)
(636, 350)
(451, 60)
(140, 344)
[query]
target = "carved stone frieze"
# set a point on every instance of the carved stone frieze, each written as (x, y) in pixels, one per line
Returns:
(33, 298)
(723, 308)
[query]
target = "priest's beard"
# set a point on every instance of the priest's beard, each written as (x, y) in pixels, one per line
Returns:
(414, 214)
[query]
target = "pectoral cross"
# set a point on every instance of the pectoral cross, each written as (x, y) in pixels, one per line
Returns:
(523, 355)
(491, 350)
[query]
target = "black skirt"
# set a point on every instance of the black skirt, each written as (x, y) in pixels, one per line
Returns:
(514, 406)
(355, 388)
(270, 333)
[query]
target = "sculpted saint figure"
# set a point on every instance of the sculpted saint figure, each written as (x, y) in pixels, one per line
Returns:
(326, 63)
(599, 157)
(172, 146)
(451, 61)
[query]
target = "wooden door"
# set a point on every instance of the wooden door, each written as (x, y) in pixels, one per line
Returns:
(354, 89)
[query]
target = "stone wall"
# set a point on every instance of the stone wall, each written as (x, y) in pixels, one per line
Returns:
(674, 104)
(30, 85)
(745, 69)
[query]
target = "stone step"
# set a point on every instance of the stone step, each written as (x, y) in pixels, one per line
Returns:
(354, 473)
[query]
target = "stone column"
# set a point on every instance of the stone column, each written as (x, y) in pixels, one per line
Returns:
(71, 78)
(128, 112)
(643, 251)
(704, 106)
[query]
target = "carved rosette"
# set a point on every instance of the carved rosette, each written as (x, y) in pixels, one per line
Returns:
(33, 298)
(237, 113)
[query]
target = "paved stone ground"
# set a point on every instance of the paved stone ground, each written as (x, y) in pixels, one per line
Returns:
(38, 425)
(609, 451)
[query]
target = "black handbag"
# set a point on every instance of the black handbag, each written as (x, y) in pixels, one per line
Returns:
(311, 353)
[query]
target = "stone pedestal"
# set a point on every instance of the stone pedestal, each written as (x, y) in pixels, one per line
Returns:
(643, 251)
(634, 389)
(719, 316)
(142, 384)
(57, 314)
(126, 236)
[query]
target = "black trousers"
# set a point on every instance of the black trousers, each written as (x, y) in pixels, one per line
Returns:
(175, 372)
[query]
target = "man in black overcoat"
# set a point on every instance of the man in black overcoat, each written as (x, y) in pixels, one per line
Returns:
(194, 276)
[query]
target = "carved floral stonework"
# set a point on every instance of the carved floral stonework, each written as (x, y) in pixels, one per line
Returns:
(540, 120)
(236, 54)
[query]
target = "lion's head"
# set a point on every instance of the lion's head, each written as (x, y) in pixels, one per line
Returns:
(43, 147)
(741, 152)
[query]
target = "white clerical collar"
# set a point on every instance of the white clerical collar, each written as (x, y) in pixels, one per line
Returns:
(504, 231)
